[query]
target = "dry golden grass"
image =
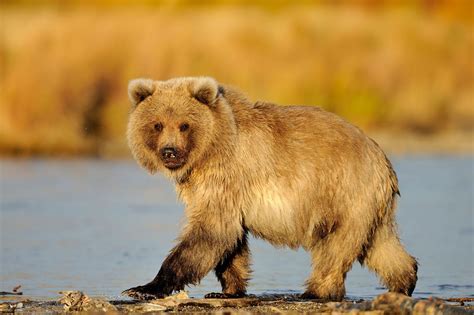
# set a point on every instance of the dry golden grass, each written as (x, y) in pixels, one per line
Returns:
(65, 71)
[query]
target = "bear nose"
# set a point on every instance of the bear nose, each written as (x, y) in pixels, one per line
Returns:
(169, 153)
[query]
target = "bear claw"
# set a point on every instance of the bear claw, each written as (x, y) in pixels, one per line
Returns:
(143, 293)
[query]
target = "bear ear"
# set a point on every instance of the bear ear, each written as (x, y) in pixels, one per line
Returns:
(139, 90)
(206, 90)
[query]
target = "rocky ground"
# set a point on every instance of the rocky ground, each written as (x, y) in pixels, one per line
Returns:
(388, 303)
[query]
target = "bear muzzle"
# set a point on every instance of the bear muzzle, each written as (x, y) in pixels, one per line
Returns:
(173, 158)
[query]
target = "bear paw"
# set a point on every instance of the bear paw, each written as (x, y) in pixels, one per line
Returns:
(216, 295)
(312, 296)
(144, 292)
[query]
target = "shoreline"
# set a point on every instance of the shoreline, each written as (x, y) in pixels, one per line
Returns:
(387, 303)
(393, 144)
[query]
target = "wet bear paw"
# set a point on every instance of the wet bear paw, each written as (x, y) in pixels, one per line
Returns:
(144, 292)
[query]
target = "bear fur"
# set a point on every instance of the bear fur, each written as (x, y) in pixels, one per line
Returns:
(295, 176)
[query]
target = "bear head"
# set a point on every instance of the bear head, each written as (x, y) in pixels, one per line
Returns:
(174, 124)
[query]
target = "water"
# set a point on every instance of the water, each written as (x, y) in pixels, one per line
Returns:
(104, 226)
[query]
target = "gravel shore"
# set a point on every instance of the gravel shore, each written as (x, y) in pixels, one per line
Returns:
(388, 303)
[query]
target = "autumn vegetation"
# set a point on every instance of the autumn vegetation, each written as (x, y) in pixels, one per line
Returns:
(393, 68)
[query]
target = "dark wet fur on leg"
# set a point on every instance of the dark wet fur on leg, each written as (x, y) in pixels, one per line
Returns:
(233, 271)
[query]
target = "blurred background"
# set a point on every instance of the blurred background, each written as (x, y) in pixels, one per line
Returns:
(401, 70)
(76, 212)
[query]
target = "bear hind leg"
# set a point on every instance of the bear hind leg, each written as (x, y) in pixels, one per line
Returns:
(332, 257)
(387, 257)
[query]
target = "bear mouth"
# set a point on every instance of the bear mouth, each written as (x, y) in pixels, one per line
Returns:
(175, 162)
(173, 165)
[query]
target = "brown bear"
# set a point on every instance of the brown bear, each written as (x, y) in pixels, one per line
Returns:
(295, 176)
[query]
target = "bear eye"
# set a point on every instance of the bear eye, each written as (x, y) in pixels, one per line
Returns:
(183, 127)
(158, 127)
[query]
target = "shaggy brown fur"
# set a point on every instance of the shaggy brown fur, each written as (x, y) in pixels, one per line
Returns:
(294, 176)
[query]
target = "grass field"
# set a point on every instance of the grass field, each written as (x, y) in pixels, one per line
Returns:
(391, 70)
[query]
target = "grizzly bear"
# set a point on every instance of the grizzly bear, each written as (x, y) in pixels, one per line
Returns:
(295, 176)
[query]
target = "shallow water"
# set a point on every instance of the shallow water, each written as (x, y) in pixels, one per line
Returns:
(104, 226)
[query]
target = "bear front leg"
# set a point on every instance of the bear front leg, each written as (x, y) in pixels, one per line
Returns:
(199, 251)
(233, 272)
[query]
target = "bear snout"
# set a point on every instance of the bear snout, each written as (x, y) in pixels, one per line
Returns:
(173, 158)
(168, 153)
